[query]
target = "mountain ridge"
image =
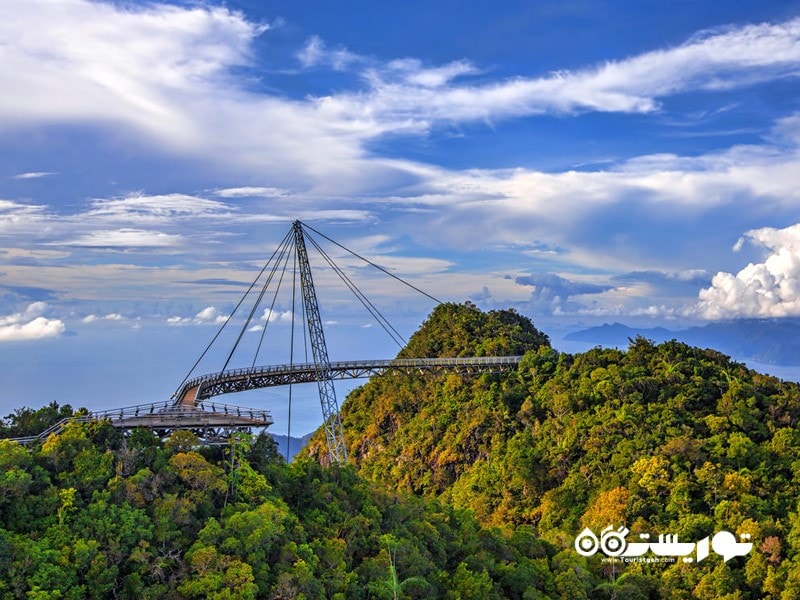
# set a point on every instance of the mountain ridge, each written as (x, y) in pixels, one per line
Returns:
(661, 438)
(457, 486)
(770, 341)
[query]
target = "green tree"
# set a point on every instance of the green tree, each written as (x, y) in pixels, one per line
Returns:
(469, 585)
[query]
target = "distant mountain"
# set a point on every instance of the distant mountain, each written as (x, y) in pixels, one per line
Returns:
(295, 444)
(618, 335)
(771, 341)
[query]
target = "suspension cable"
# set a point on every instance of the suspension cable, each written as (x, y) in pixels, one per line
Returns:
(233, 312)
(282, 253)
(255, 306)
(397, 338)
(271, 310)
(366, 260)
(291, 357)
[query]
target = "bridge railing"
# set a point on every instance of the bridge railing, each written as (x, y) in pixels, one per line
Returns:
(233, 410)
(55, 427)
(136, 410)
(165, 409)
(354, 364)
(168, 408)
(232, 380)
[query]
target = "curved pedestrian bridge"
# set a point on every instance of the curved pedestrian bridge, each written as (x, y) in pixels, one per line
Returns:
(240, 380)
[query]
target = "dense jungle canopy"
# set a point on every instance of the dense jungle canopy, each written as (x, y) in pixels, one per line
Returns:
(459, 487)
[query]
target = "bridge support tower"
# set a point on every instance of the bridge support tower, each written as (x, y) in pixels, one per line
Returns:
(334, 434)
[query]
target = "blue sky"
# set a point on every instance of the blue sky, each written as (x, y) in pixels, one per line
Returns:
(582, 162)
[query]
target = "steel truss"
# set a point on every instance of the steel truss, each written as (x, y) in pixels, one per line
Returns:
(211, 422)
(337, 450)
(204, 387)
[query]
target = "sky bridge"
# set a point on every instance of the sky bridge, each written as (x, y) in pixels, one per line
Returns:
(240, 380)
(213, 423)
(193, 405)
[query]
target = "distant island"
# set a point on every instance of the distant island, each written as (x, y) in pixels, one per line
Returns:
(771, 341)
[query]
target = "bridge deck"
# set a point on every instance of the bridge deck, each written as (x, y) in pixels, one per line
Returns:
(239, 380)
(166, 417)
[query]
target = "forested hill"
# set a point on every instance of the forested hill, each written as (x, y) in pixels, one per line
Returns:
(461, 488)
(664, 438)
(454, 330)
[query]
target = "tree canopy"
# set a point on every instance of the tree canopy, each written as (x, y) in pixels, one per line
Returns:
(459, 487)
(662, 438)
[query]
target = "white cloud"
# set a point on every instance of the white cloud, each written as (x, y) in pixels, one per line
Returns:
(155, 208)
(272, 316)
(109, 317)
(251, 192)
(29, 325)
(209, 315)
(584, 218)
(717, 60)
(316, 54)
(126, 64)
(413, 72)
(292, 213)
(20, 218)
(767, 289)
(125, 238)
(167, 72)
(34, 175)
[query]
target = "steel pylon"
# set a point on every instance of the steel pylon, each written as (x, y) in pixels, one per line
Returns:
(334, 434)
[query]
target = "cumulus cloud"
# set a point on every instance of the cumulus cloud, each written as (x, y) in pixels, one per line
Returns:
(767, 289)
(281, 316)
(272, 316)
(29, 325)
(555, 293)
(209, 315)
